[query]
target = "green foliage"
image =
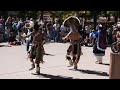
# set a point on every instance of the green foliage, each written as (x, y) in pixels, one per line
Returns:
(65, 14)
(29, 14)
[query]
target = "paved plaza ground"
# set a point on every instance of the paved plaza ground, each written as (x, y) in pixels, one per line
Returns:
(14, 64)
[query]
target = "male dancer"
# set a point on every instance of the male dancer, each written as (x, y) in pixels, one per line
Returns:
(37, 50)
(74, 48)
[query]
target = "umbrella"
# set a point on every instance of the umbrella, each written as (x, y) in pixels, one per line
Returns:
(71, 20)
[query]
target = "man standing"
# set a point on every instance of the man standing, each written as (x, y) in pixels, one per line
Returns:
(2, 21)
(56, 27)
(50, 32)
(2, 32)
(8, 26)
(20, 28)
(87, 29)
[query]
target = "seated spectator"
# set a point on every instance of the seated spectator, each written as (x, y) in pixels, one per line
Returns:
(12, 39)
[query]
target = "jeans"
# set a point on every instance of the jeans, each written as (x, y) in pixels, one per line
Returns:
(56, 36)
(27, 45)
(7, 32)
(51, 35)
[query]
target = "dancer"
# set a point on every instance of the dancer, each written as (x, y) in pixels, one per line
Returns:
(100, 44)
(37, 50)
(75, 47)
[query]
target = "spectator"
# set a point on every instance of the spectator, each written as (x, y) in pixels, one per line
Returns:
(56, 27)
(109, 36)
(8, 26)
(12, 39)
(2, 21)
(91, 38)
(87, 29)
(14, 27)
(28, 39)
(50, 31)
(20, 28)
(2, 31)
(63, 28)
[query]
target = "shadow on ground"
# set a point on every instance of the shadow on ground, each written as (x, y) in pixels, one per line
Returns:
(49, 54)
(92, 72)
(105, 64)
(5, 46)
(53, 76)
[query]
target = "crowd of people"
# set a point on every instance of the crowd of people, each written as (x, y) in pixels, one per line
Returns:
(88, 33)
(53, 31)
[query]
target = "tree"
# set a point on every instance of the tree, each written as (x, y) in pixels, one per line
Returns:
(4, 14)
(61, 14)
(95, 16)
(41, 15)
(29, 14)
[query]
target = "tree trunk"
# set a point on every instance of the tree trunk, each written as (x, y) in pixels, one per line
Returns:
(53, 19)
(108, 18)
(84, 21)
(116, 19)
(4, 14)
(41, 16)
(119, 14)
(95, 21)
(77, 14)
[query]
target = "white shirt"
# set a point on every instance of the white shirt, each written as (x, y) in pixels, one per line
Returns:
(29, 37)
(56, 26)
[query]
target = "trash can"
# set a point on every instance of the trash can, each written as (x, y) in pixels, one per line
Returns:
(114, 71)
